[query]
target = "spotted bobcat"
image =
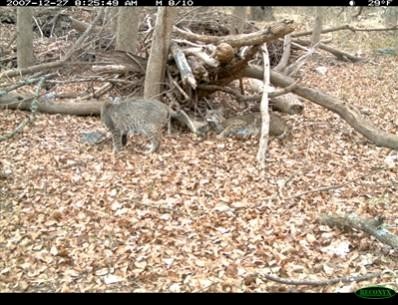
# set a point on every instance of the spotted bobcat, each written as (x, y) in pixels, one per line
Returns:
(135, 116)
(243, 126)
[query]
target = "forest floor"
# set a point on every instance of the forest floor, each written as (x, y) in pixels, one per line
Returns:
(200, 215)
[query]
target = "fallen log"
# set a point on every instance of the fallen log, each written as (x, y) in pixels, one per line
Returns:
(15, 101)
(370, 226)
(272, 32)
(346, 27)
(183, 66)
(338, 53)
(347, 112)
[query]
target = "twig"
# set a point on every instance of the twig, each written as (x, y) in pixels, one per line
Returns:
(320, 189)
(25, 82)
(93, 78)
(245, 98)
(286, 53)
(346, 279)
(38, 26)
(333, 187)
(346, 27)
(294, 67)
(177, 86)
(82, 37)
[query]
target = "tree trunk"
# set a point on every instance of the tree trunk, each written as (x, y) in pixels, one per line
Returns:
(24, 37)
(239, 13)
(159, 50)
(127, 29)
(111, 17)
(262, 13)
(317, 30)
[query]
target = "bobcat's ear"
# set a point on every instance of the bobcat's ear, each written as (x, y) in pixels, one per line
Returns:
(114, 100)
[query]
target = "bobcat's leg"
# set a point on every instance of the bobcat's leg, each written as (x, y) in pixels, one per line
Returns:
(117, 138)
(124, 139)
(225, 133)
(154, 139)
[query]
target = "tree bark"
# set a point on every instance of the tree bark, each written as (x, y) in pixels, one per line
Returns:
(159, 50)
(347, 112)
(24, 37)
(317, 30)
(14, 101)
(111, 17)
(127, 29)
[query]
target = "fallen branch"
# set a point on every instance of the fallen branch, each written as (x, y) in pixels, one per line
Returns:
(285, 55)
(32, 69)
(346, 279)
(281, 105)
(295, 67)
(346, 27)
(198, 52)
(338, 53)
(13, 101)
(272, 32)
(347, 112)
(183, 66)
(370, 226)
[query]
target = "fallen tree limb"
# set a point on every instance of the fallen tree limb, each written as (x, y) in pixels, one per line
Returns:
(14, 101)
(338, 53)
(272, 32)
(347, 112)
(346, 279)
(346, 27)
(370, 226)
(285, 55)
(32, 69)
(183, 66)
(334, 29)
(285, 105)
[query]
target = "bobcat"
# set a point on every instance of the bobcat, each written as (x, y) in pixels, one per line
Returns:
(136, 116)
(243, 126)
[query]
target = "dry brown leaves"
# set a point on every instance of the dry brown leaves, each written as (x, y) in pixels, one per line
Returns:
(199, 215)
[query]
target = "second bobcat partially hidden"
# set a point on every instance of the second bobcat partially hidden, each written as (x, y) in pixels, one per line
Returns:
(243, 126)
(135, 116)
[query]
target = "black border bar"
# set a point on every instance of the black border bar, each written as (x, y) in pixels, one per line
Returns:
(189, 3)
